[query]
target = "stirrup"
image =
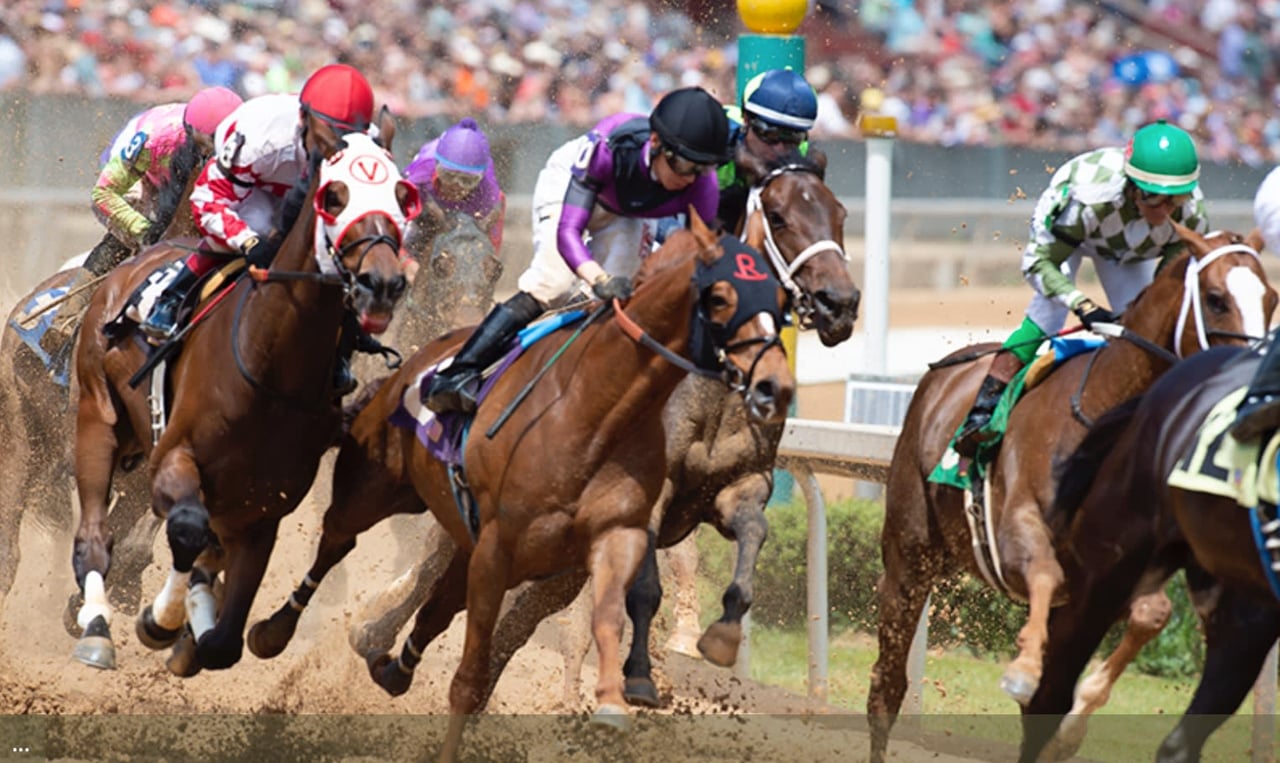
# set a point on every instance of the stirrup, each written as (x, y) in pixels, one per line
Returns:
(1257, 417)
(449, 394)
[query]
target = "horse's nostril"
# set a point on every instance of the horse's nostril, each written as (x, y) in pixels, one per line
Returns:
(765, 390)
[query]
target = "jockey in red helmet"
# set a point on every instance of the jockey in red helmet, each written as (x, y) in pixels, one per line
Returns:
(260, 153)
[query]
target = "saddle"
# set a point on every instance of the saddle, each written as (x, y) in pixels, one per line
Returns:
(445, 435)
(140, 303)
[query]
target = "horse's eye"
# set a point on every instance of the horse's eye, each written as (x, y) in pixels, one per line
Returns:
(777, 221)
(1217, 304)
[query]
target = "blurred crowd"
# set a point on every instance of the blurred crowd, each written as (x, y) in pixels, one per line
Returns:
(1044, 73)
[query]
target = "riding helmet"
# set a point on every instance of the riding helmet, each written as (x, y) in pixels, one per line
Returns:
(781, 97)
(1161, 158)
(339, 95)
(463, 148)
(209, 107)
(692, 123)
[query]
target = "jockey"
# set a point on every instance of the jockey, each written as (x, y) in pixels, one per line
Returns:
(1114, 206)
(1260, 410)
(456, 172)
(607, 184)
(260, 153)
(777, 112)
(135, 168)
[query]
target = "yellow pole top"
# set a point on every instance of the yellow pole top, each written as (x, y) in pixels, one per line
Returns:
(878, 126)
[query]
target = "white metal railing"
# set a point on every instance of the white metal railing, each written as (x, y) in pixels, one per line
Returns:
(864, 451)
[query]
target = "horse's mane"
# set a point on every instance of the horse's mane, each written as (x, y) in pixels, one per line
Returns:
(1075, 475)
(296, 196)
(1177, 270)
(671, 254)
(757, 167)
(185, 162)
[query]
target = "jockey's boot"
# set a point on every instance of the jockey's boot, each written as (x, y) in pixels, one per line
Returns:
(109, 252)
(163, 318)
(344, 382)
(456, 387)
(1260, 410)
(972, 434)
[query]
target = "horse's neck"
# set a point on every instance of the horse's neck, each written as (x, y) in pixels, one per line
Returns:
(1124, 369)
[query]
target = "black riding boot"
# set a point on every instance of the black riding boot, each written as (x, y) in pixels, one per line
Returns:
(164, 316)
(456, 387)
(344, 382)
(1005, 366)
(1260, 410)
(109, 252)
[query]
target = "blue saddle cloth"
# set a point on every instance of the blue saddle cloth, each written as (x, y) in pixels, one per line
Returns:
(59, 366)
(445, 435)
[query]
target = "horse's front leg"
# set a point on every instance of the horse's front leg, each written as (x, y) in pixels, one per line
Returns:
(614, 560)
(95, 453)
(175, 495)
(643, 598)
(1148, 615)
(741, 515)
(1033, 555)
(246, 557)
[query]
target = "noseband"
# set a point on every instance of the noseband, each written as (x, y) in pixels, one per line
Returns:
(801, 300)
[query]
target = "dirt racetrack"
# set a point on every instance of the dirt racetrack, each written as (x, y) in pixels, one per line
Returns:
(316, 701)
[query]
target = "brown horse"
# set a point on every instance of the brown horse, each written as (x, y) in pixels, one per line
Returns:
(569, 481)
(1130, 530)
(251, 407)
(36, 417)
(926, 535)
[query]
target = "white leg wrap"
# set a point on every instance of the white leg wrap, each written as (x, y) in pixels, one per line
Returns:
(168, 609)
(95, 601)
(202, 609)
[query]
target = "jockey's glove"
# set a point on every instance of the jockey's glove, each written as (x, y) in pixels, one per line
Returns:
(1090, 313)
(609, 287)
(258, 252)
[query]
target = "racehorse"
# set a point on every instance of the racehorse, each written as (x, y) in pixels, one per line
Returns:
(250, 404)
(569, 480)
(1133, 526)
(1216, 293)
(35, 407)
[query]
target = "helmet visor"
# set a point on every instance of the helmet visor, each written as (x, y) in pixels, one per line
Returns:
(1149, 199)
(685, 167)
(774, 134)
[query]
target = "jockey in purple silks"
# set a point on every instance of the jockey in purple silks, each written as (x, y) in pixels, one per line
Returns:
(608, 184)
(456, 172)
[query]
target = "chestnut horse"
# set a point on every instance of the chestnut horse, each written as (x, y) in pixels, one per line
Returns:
(35, 409)
(568, 483)
(1131, 530)
(1215, 293)
(251, 407)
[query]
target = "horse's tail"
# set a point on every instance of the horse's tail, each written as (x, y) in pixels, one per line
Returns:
(185, 162)
(1076, 474)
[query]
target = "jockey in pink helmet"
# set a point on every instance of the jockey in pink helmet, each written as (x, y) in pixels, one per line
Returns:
(456, 172)
(126, 197)
(260, 154)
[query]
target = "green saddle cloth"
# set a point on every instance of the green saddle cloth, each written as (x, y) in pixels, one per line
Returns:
(948, 471)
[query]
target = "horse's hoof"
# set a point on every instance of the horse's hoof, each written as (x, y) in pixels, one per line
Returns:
(182, 661)
(640, 692)
(268, 638)
(387, 673)
(152, 634)
(720, 643)
(684, 642)
(95, 648)
(1019, 685)
(214, 655)
(612, 717)
(1066, 743)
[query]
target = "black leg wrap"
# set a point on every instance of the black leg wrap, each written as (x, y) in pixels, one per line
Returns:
(409, 656)
(188, 531)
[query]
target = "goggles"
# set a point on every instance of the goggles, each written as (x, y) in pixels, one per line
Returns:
(684, 167)
(773, 134)
(465, 182)
(1149, 199)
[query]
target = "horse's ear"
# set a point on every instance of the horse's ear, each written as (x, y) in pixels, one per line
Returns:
(1255, 240)
(700, 230)
(386, 124)
(750, 166)
(1193, 239)
(818, 157)
(754, 237)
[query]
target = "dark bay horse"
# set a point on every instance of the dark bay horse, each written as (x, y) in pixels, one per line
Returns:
(250, 405)
(567, 485)
(1131, 530)
(36, 416)
(1216, 293)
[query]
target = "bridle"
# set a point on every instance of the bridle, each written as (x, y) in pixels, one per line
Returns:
(802, 301)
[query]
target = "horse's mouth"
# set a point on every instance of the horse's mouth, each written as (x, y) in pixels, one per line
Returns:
(375, 322)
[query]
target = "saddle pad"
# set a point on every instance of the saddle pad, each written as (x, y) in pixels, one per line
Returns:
(32, 335)
(1217, 463)
(444, 435)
